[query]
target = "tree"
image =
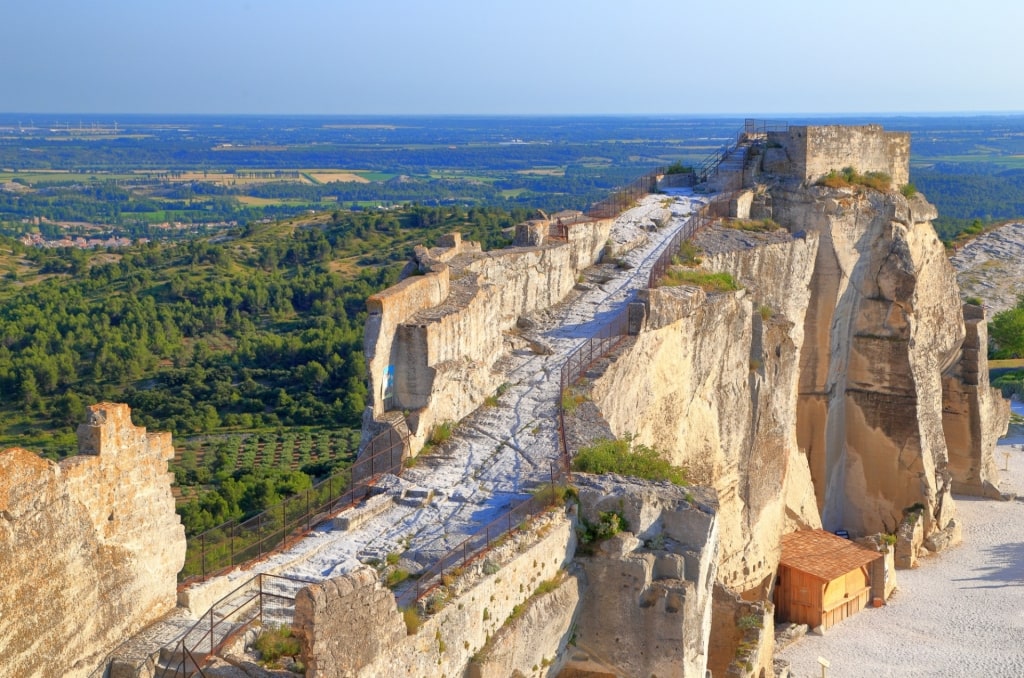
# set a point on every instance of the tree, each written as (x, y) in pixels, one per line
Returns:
(1006, 332)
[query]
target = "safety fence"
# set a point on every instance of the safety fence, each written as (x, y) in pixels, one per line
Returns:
(621, 198)
(236, 542)
(264, 599)
(482, 541)
(715, 208)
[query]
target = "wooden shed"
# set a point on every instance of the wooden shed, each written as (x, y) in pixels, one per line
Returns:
(823, 579)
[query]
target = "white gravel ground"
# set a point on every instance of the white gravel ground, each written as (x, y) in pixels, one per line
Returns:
(961, 613)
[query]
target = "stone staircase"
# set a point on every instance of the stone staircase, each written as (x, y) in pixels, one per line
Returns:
(174, 646)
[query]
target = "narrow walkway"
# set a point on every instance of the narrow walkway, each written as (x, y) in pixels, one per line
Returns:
(496, 455)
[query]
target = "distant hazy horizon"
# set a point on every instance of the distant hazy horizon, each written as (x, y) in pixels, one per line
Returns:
(529, 57)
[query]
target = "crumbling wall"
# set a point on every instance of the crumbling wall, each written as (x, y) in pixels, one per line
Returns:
(815, 150)
(712, 381)
(351, 625)
(432, 340)
(90, 548)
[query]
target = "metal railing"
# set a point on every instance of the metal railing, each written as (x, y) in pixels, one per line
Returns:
(621, 198)
(222, 623)
(481, 542)
(236, 542)
(698, 220)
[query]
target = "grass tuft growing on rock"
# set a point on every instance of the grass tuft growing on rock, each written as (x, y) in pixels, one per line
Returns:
(276, 642)
(848, 176)
(625, 458)
(707, 281)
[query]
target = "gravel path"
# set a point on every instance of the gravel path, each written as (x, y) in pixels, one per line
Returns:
(961, 613)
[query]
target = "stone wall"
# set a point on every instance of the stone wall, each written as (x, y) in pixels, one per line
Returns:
(90, 548)
(432, 340)
(713, 382)
(351, 626)
(814, 151)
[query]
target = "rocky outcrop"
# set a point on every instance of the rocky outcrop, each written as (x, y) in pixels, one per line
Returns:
(89, 548)
(974, 415)
(991, 266)
(884, 323)
(713, 383)
(647, 609)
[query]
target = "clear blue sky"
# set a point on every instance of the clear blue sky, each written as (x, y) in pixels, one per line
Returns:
(510, 56)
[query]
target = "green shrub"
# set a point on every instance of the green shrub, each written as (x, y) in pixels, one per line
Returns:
(848, 176)
(689, 255)
(908, 190)
(554, 495)
(625, 458)
(491, 401)
(752, 225)
(571, 400)
(749, 621)
(396, 577)
(678, 168)
(276, 642)
(609, 524)
(413, 620)
(707, 281)
(442, 433)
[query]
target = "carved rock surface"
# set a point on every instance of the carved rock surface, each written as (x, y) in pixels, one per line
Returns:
(712, 381)
(90, 548)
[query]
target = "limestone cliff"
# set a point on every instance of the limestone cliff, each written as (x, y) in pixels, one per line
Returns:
(883, 325)
(713, 382)
(89, 548)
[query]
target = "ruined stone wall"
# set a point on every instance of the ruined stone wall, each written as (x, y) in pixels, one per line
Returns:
(814, 151)
(90, 548)
(438, 335)
(713, 382)
(351, 626)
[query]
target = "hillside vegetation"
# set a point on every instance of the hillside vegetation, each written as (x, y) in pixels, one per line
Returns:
(244, 347)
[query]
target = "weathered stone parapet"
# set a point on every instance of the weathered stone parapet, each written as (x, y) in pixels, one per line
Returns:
(351, 626)
(90, 548)
(810, 152)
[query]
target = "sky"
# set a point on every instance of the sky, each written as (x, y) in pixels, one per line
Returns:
(498, 57)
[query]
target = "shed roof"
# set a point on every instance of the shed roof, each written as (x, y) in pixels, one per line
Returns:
(822, 554)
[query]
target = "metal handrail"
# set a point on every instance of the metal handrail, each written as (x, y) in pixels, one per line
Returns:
(190, 650)
(297, 514)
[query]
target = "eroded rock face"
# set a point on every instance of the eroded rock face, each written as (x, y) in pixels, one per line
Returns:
(647, 607)
(90, 548)
(884, 323)
(712, 381)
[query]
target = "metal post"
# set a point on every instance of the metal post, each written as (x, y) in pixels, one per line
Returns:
(202, 553)
(259, 532)
(231, 540)
(307, 509)
(261, 598)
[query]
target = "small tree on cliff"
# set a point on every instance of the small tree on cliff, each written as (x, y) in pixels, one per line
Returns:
(1006, 332)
